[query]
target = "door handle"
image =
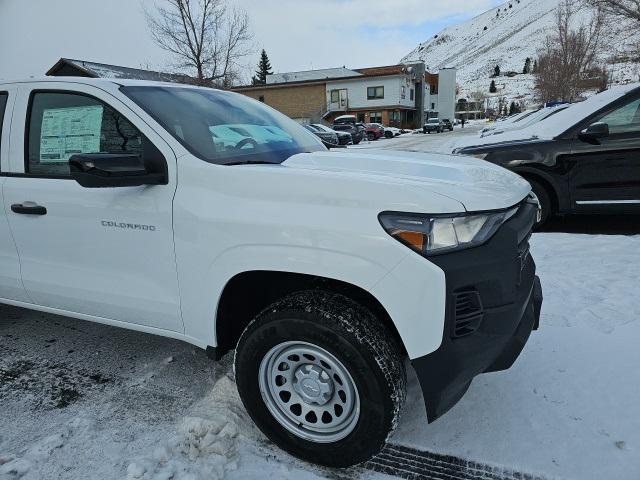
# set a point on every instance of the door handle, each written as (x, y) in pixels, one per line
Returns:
(28, 208)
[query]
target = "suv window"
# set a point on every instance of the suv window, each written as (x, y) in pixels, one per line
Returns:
(64, 124)
(625, 119)
(3, 104)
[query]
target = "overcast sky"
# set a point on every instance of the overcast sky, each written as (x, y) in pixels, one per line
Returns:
(297, 34)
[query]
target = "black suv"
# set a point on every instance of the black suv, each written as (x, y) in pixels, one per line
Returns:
(585, 159)
(356, 131)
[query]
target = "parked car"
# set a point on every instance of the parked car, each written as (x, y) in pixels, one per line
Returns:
(356, 131)
(344, 138)
(433, 125)
(447, 125)
(583, 159)
(345, 119)
(374, 131)
(390, 132)
(329, 137)
(525, 121)
(127, 211)
(502, 121)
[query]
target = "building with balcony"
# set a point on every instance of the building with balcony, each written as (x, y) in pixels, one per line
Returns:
(396, 95)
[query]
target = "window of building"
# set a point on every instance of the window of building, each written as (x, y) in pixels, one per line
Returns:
(375, 117)
(403, 92)
(411, 94)
(394, 116)
(434, 90)
(261, 98)
(335, 96)
(374, 93)
(361, 117)
(65, 124)
(433, 106)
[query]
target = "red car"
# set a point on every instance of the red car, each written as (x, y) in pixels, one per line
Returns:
(373, 131)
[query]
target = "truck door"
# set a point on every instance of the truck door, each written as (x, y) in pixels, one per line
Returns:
(103, 252)
(605, 177)
(10, 282)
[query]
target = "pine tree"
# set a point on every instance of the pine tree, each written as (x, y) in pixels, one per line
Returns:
(496, 71)
(513, 109)
(493, 88)
(535, 67)
(527, 66)
(264, 69)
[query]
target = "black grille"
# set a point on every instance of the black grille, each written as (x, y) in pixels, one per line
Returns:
(468, 313)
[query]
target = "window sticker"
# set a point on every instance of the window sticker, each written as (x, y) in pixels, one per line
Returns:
(70, 131)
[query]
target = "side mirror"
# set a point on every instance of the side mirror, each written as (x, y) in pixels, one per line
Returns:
(100, 170)
(594, 132)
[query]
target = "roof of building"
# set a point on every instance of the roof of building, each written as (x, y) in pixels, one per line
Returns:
(310, 75)
(103, 70)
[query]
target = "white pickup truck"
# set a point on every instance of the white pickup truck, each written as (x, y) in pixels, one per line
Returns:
(209, 217)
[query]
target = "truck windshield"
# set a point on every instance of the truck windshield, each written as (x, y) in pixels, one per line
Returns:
(223, 127)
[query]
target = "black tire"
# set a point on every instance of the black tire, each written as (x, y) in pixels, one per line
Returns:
(371, 136)
(356, 142)
(546, 205)
(358, 340)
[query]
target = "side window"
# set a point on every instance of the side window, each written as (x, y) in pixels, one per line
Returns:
(65, 124)
(375, 93)
(625, 119)
(3, 104)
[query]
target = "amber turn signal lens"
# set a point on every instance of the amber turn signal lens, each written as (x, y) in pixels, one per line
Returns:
(414, 239)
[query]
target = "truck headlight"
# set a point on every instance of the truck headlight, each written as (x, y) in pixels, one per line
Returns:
(435, 234)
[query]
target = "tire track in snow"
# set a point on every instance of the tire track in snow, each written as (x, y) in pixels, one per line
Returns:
(411, 464)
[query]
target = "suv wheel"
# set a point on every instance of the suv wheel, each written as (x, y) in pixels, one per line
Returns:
(321, 377)
(544, 198)
(371, 136)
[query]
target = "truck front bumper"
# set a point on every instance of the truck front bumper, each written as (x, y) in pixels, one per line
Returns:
(493, 303)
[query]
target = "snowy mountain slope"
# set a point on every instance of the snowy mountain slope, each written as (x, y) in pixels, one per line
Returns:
(503, 36)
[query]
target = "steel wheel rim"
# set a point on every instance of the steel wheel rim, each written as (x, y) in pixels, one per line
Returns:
(309, 392)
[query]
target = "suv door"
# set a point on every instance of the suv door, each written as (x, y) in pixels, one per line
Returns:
(10, 282)
(606, 177)
(103, 252)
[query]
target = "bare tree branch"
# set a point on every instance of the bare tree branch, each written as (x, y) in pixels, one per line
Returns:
(207, 39)
(570, 55)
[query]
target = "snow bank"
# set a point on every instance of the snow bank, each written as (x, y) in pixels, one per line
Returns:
(204, 446)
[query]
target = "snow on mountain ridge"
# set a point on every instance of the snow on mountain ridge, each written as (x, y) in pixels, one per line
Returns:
(505, 36)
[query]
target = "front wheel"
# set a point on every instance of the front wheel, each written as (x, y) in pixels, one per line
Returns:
(371, 136)
(321, 377)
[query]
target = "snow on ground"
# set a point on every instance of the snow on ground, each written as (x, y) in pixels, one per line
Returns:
(81, 400)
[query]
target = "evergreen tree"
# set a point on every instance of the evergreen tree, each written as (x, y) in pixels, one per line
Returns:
(264, 69)
(513, 109)
(496, 71)
(493, 88)
(527, 66)
(535, 67)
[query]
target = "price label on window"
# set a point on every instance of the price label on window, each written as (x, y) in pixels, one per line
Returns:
(69, 131)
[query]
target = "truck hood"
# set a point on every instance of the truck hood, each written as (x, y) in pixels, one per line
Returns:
(476, 184)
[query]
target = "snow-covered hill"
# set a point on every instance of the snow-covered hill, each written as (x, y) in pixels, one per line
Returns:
(503, 36)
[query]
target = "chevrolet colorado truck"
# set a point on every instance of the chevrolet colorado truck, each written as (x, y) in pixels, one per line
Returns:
(206, 216)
